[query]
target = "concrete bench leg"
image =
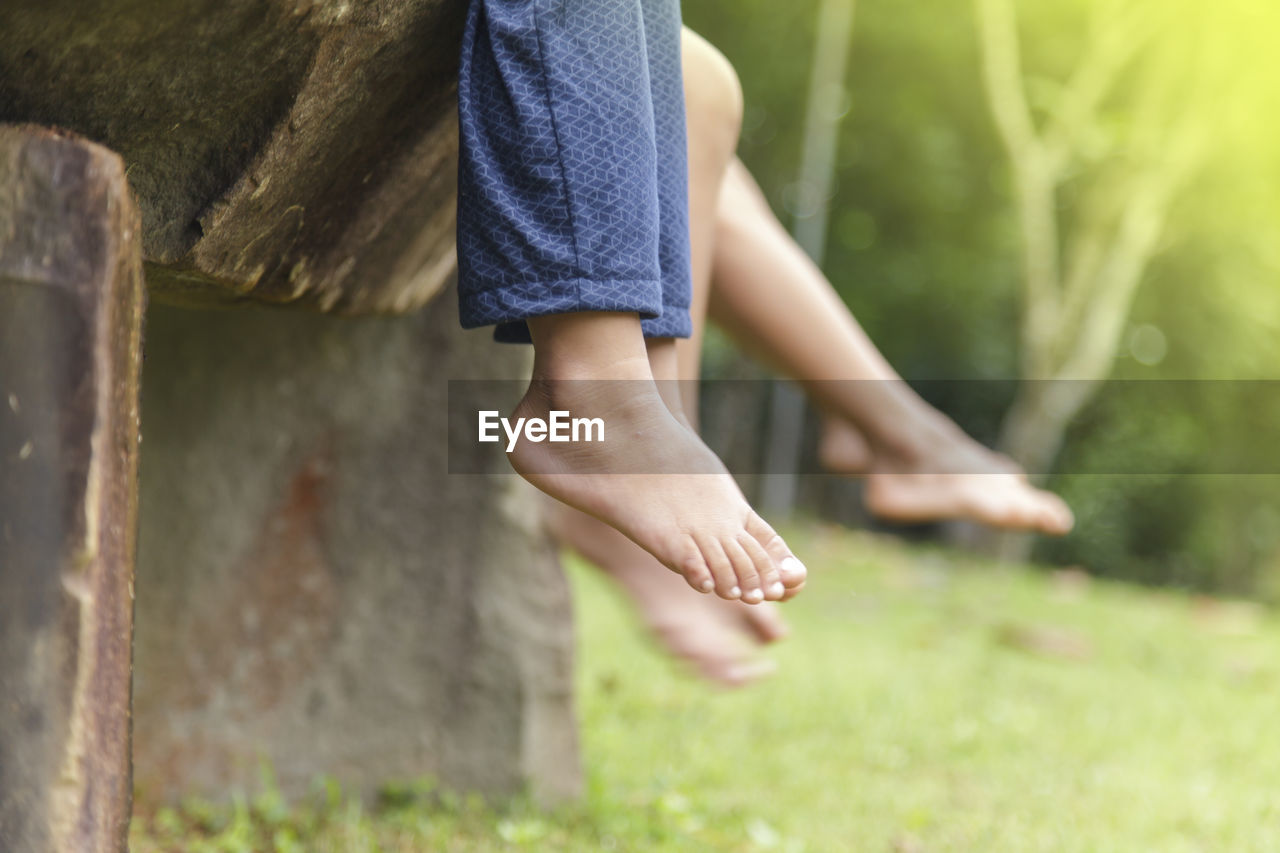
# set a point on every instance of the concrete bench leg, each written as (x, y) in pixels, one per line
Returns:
(71, 305)
(315, 591)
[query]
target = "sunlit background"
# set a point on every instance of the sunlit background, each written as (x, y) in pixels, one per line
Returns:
(1085, 190)
(1147, 136)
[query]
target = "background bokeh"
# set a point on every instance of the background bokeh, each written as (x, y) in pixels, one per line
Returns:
(924, 242)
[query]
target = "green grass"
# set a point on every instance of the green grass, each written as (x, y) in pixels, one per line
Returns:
(925, 702)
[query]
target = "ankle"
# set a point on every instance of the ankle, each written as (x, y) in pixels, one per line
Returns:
(589, 345)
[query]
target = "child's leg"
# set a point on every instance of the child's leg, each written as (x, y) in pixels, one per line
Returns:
(568, 223)
(919, 465)
(717, 637)
(714, 107)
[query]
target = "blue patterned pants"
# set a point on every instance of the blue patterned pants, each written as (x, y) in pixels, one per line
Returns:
(572, 175)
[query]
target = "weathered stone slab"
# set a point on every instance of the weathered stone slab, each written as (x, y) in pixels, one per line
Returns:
(286, 151)
(314, 588)
(70, 336)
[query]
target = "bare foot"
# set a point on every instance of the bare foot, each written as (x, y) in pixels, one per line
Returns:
(950, 477)
(718, 638)
(651, 478)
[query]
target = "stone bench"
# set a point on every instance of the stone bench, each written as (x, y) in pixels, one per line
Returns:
(312, 588)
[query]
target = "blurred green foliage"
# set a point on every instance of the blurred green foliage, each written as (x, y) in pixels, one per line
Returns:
(923, 246)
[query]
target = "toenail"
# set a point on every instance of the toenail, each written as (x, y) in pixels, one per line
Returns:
(735, 592)
(753, 595)
(792, 566)
(707, 585)
(777, 589)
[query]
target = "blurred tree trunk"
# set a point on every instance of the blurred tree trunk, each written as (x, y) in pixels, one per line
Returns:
(813, 187)
(1080, 272)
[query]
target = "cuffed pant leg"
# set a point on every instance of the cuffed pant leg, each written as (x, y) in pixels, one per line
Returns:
(562, 197)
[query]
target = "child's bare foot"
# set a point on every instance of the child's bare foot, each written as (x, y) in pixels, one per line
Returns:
(949, 476)
(718, 638)
(651, 478)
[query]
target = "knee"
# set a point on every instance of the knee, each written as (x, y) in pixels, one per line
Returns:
(713, 94)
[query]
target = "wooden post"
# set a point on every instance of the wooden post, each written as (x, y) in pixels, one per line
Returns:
(71, 306)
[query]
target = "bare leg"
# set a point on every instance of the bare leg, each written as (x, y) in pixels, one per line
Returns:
(713, 103)
(919, 465)
(716, 637)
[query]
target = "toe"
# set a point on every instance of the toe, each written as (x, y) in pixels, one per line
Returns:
(719, 653)
(764, 622)
(791, 571)
(693, 566)
(722, 570)
(748, 578)
(770, 577)
(1058, 518)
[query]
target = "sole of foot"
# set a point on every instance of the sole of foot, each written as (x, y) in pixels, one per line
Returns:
(959, 480)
